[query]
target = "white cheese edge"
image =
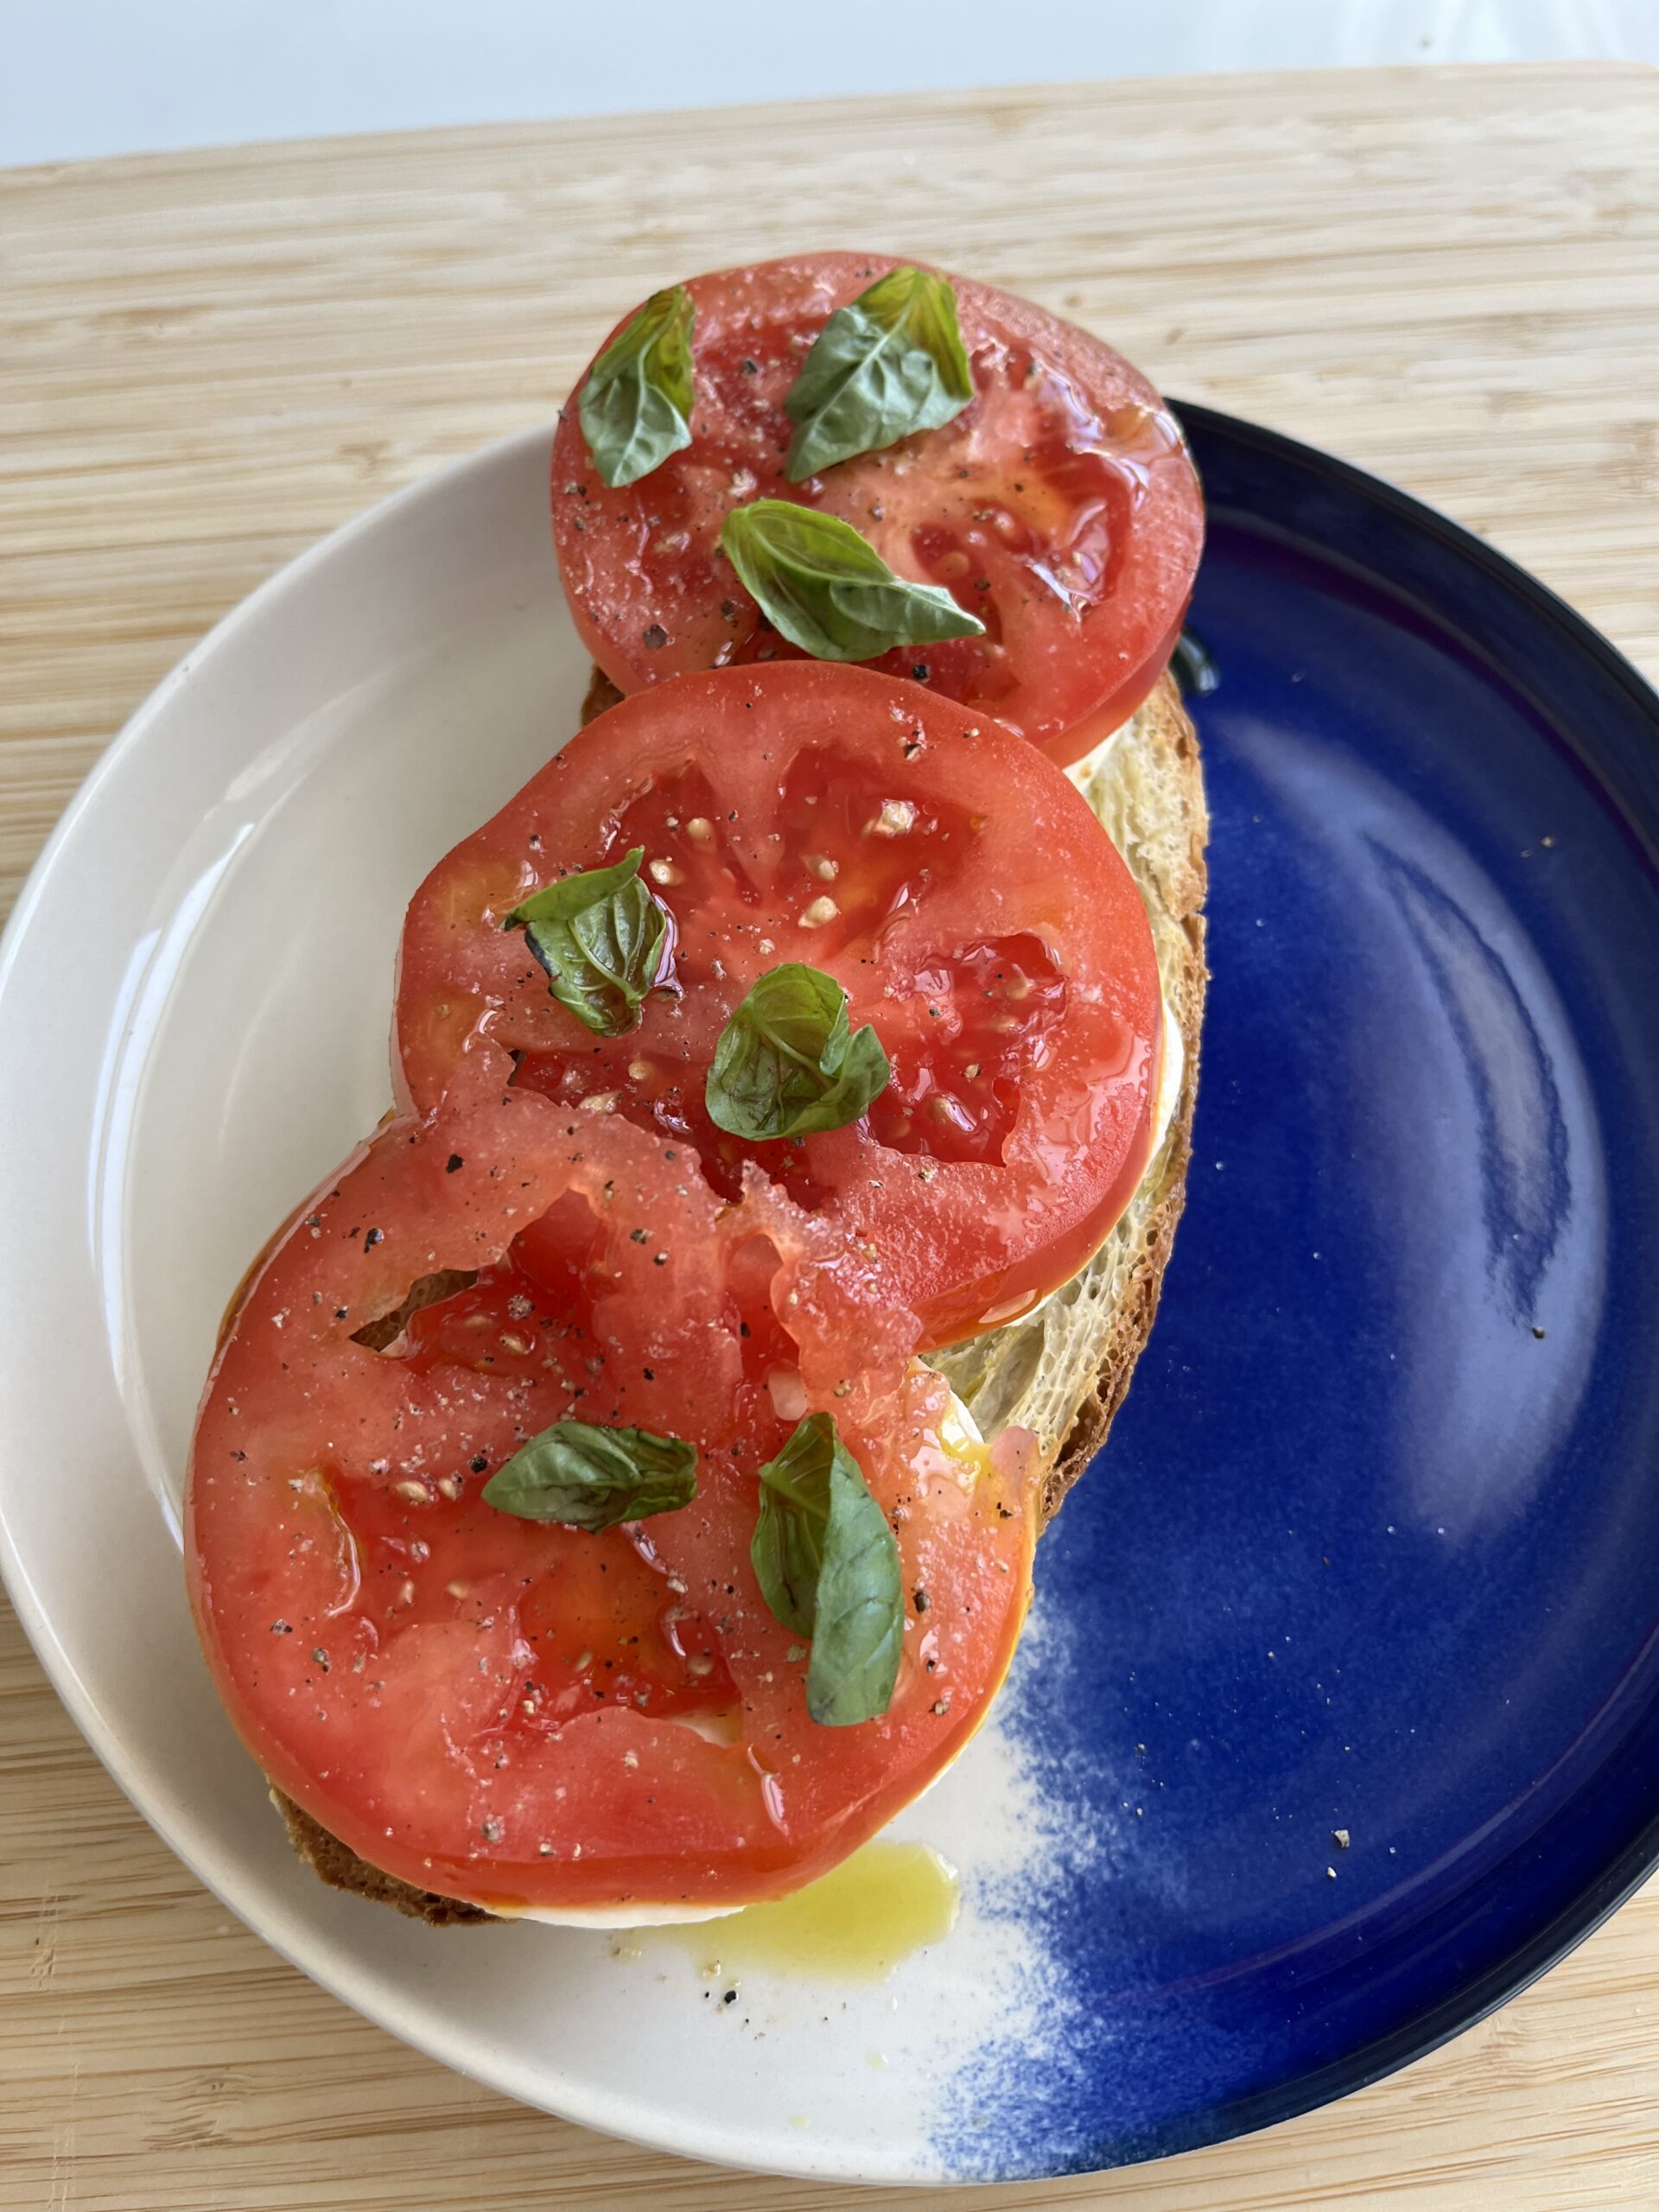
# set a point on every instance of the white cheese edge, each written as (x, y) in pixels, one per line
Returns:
(1172, 1064)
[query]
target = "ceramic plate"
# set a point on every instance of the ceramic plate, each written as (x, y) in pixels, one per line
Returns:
(1338, 1715)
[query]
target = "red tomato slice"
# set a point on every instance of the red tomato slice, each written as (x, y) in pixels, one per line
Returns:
(950, 879)
(531, 1716)
(1060, 507)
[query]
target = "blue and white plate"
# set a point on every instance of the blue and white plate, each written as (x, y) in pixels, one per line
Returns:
(1338, 1715)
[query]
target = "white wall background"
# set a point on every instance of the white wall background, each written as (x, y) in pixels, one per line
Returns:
(85, 77)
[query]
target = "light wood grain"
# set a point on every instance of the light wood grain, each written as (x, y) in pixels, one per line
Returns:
(206, 359)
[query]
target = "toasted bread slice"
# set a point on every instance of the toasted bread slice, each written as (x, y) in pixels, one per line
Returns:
(1063, 1370)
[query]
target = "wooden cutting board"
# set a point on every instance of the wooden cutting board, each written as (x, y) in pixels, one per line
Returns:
(1449, 276)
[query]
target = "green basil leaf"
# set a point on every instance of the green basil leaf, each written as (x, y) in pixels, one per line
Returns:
(591, 1478)
(829, 592)
(828, 1568)
(636, 404)
(788, 1062)
(600, 936)
(890, 363)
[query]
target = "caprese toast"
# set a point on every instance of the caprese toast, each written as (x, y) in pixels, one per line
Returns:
(615, 1493)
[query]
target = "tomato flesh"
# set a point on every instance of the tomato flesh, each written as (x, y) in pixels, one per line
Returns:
(1060, 507)
(950, 879)
(530, 1716)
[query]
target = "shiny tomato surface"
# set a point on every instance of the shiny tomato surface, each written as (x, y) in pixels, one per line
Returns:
(1060, 507)
(531, 1716)
(944, 872)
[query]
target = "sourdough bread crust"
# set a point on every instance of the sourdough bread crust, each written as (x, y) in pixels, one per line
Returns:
(1180, 880)
(1150, 796)
(1063, 1370)
(340, 1866)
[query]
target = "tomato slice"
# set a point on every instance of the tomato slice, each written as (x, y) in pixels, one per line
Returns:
(530, 1716)
(1060, 507)
(948, 876)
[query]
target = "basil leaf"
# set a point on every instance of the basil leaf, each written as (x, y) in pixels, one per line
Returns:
(787, 1061)
(829, 592)
(890, 363)
(600, 936)
(591, 1478)
(828, 1568)
(636, 405)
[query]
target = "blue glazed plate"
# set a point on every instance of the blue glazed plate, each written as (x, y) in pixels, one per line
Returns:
(1357, 1612)
(1337, 1717)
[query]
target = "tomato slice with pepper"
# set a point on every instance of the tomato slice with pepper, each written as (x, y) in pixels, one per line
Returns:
(536, 1717)
(1060, 507)
(946, 876)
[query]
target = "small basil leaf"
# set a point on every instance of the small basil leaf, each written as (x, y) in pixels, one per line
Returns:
(787, 1548)
(636, 404)
(591, 1478)
(828, 1568)
(890, 363)
(600, 936)
(787, 1061)
(829, 592)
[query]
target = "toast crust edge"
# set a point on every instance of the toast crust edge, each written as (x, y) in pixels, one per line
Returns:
(337, 1864)
(1180, 881)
